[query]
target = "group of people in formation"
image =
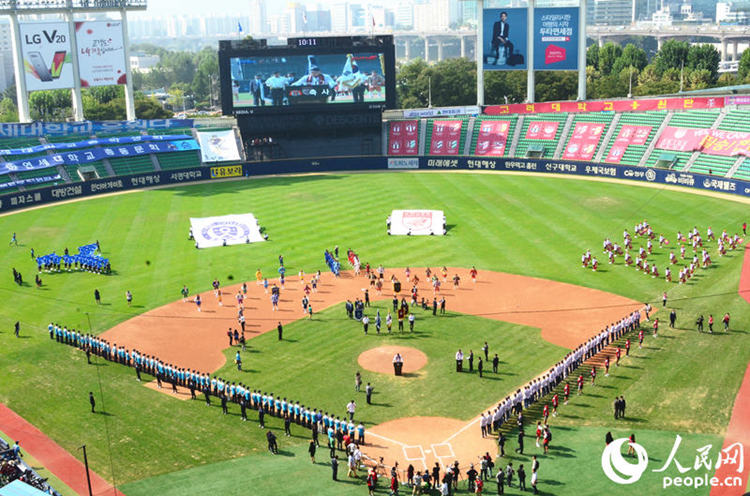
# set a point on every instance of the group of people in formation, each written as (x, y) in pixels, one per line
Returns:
(700, 253)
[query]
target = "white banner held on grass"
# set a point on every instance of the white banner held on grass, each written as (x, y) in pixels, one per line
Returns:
(232, 229)
(417, 222)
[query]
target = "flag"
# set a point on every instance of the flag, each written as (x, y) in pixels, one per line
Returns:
(239, 27)
(304, 17)
(373, 20)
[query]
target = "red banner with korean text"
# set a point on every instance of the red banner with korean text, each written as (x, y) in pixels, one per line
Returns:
(708, 141)
(628, 135)
(542, 130)
(582, 144)
(681, 139)
(403, 138)
(727, 143)
(492, 138)
(638, 105)
(446, 136)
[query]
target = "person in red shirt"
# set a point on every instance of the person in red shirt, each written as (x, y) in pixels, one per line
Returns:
(545, 413)
(473, 274)
(744, 228)
(711, 323)
(479, 485)
(538, 433)
(593, 375)
(627, 347)
(394, 486)
(555, 403)
(725, 320)
(566, 392)
(618, 353)
(656, 327)
(606, 367)
(580, 384)
(640, 338)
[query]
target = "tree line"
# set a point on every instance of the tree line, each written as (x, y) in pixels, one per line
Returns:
(612, 71)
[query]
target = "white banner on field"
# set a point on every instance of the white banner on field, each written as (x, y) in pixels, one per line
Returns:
(218, 146)
(232, 229)
(101, 53)
(417, 222)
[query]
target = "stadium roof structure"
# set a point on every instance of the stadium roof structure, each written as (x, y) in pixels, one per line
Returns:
(719, 90)
(56, 6)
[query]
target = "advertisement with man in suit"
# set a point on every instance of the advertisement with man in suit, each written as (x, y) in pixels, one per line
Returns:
(504, 43)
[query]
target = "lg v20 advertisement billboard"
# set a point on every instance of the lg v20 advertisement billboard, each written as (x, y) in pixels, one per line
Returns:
(45, 47)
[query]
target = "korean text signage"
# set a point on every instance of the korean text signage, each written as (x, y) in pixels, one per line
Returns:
(556, 39)
(446, 136)
(582, 144)
(628, 135)
(226, 171)
(45, 47)
(542, 130)
(16, 130)
(403, 138)
(639, 105)
(708, 141)
(492, 139)
(504, 42)
(101, 53)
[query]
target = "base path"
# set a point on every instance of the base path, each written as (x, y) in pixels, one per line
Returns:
(177, 333)
(380, 359)
(737, 432)
(54, 458)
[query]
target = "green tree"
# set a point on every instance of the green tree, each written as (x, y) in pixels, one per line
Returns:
(501, 84)
(556, 85)
(149, 108)
(673, 55)
(632, 56)
(411, 91)
(8, 110)
(704, 57)
(608, 55)
(700, 79)
(454, 82)
(50, 105)
(592, 56)
(744, 69)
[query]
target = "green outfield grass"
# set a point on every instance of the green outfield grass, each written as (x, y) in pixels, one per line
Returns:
(684, 383)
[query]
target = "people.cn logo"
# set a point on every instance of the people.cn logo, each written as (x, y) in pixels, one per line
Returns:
(620, 470)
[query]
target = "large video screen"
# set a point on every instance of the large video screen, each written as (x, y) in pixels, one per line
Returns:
(283, 79)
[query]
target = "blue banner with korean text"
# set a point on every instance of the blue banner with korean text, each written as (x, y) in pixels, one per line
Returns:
(96, 154)
(115, 140)
(87, 128)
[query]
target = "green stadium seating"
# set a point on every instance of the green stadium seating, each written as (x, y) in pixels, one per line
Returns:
(634, 153)
(736, 120)
(178, 160)
(132, 165)
(549, 145)
(177, 130)
(49, 171)
(702, 119)
(72, 170)
(512, 118)
(744, 170)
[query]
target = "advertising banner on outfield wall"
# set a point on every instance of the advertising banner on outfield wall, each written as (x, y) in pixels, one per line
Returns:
(542, 130)
(446, 136)
(45, 47)
(582, 145)
(639, 105)
(403, 138)
(504, 41)
(101, 53)
(218, 146)
(492, 139)
(556, 39)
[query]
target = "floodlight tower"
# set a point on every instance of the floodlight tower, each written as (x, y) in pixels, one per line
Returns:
(68, 9)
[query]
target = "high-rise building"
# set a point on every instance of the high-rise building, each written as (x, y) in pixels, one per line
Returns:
(610, 12)
(258, 22)
(340, 17)
(297, 17)
(404, 15)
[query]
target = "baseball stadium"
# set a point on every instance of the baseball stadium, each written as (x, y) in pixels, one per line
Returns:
(305, 298)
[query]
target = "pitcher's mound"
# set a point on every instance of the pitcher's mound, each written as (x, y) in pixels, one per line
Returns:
(380, 359)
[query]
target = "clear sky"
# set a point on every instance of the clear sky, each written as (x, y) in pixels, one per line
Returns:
(162, 8)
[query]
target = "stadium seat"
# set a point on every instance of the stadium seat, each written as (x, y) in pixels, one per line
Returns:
(549, 145)
(634, 153)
